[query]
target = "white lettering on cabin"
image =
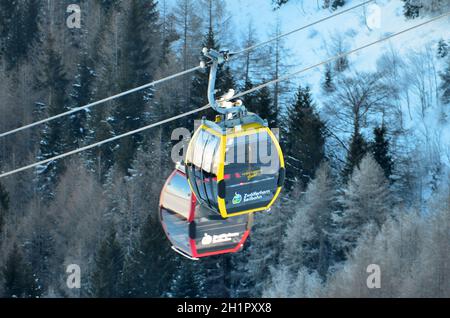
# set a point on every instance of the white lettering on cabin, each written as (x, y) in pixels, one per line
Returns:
(254, 196)
(215, 239)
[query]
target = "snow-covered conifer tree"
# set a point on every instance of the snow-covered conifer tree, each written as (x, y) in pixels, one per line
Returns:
(365, 200)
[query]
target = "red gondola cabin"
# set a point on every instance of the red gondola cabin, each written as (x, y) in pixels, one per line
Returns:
(194, 230)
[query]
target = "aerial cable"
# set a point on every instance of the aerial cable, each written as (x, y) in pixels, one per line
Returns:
(334, 58)
(66, 154)
(154, 83)
(77, 109)
(250, 48)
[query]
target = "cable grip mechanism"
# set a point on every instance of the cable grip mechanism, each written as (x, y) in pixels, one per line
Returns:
(222, 106)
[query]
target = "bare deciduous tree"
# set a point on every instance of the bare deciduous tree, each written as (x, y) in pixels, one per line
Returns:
(356, 100)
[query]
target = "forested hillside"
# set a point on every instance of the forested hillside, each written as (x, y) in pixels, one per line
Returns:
(367, 151)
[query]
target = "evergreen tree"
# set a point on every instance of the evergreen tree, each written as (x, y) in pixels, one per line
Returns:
(216, 276)
(265, 249)
(18, 278)
(262, 105)
(380, 150)
(18, 28)
(304, 284)
(4, 206)
(53, 81)
(336, 4)
(279, 3)
(188, 24)
(41, 243)
(107, 276)
(138, 63)
(411, 9)
(433, 273)
(305, 140)
(226, 80)
(199, 88)
(276, 65)
(443, 49)
(328, 84)
(409, 245)
(7, 10)
(150, 263)
(240, 287)
(341, 64)
(154, 262)
(30, 31)
(249, 99)
(82, 95)
(357, 150)
(308, 242)
(99, 120)
(188, 280)
(107, 5)
(445, 86)
(365, 201)
(102, 158)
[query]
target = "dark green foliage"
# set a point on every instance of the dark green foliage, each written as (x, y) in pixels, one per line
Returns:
(411, 9)
(187, 282)
(380, 150)
(328, 83)
(108, 5)
(225, 81)
(100, 159)
(305, 140)
(357, 150)
(278, 3)
(7, 8)
(238, 276)
(4, 198)
(266, 247)
(443, 49)
(153, 265)
(263, 106)
(445, 85)
(18, 29)
(30, 22)
(341, 63)
(107, 276)
(82, 95)
(4, 205)
(52, 81)
(216, 271)
(18, 279)
(249, 99)
(138, 63)
(336, 4)
(150, 262)
(210, 278)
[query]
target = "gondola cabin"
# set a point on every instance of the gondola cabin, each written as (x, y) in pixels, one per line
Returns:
(193, 230)
(237, 169)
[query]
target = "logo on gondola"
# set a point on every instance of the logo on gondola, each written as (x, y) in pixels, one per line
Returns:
(252, 174)
(257, 195)
(226, 237)
(237, 198)
(207, 239)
